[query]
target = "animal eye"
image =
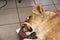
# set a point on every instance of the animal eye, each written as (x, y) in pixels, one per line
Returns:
(29, 18)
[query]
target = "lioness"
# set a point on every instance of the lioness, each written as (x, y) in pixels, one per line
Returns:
(46, 24)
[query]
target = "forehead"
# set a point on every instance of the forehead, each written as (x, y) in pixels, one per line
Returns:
(45, 14)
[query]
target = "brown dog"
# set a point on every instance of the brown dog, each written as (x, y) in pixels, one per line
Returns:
(46, 24)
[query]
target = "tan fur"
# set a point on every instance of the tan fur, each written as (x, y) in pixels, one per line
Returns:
(45, 23)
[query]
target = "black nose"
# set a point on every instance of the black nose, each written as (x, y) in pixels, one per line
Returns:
(30, 30)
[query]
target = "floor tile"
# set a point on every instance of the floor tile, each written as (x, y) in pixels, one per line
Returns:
(49, 7)
(56, 1)
(8, 16)
(24, 13)
(58, 7)
(10, 4)
(25, 3)
(8, 32)
(44, 2)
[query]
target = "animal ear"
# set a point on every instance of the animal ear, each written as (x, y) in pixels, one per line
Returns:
(38, 9)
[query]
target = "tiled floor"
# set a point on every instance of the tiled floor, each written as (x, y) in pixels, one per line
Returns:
(14, 14)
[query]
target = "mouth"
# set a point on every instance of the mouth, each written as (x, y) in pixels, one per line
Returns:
(30, 36)
(22, 33)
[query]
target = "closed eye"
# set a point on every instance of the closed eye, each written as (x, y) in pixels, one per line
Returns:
(28, 19)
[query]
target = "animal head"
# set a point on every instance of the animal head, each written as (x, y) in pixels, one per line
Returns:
(38, 16)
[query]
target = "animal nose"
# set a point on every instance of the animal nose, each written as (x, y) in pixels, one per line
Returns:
(30, 29)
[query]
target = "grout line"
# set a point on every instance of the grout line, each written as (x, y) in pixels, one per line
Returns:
(25, 7)
(43, 5)
(15, 8)
(54, 4)
(48, 5)
(6, 8)
(28, 6)
(34, 2)
(33, 6)
(17, 12)
(9, 24)
(57, 4)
